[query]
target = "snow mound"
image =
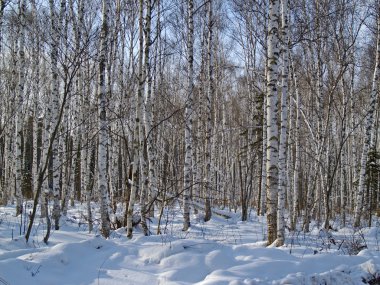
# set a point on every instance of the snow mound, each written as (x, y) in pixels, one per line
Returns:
(222, 251)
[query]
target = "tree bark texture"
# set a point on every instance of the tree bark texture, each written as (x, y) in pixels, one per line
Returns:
(272, 128)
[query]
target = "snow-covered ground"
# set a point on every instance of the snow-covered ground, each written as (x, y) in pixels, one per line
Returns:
(221, 251)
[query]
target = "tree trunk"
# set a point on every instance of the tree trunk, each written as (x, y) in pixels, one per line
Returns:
(78, 151)
(368, 129)
(137, 151)
(19, 113)
(188, 120)
(148, 115)
(90, 186)
(296, 175)
(2, 8)
(210, 93)
(263, 193)
(56, 27)
(103, 125)
(272, 129)
(284, 126)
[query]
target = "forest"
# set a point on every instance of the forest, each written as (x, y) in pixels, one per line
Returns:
(251, 106)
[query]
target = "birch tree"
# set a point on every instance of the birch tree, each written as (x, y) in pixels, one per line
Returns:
(188, 119)
(19, 113)
(137, 151)
(284, 125)
(297, 158)
(149, 109)
(368, 127)
(210, 93)
(4, 190)
(2, 8)
(35, 90)
(146, 139)
(103, 124)
(56, 25)
(77, 123)
(272, 129)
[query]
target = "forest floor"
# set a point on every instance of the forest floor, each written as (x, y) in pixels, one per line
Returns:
(221, 251)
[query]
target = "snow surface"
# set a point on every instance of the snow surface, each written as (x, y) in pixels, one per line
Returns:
(221, 251)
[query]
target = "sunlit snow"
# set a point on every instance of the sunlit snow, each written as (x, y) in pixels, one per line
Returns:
(221, 251)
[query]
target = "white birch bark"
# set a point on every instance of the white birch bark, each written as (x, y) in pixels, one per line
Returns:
(296, 173)
(263, 194)
(343, 186)
(2, 8)
(224, 160)
(112, 105)
(3, 188)
(272, 128)
(19, 113)
(188, 119)
(114, 169)
(351, 163)
(199, 146)
(10, 159)
(56, 27)
(9, 165)
(262, 107)
(352, 141)
(82, 143)
(91, 178)
(35, 90)
(321, 147)
(83, 107)
(148, 167)
(137, 152)
(343, 160)
(65, 150)
(151, 150)
(148, 120)
(197, 154)
(78, 113)
(284, 126)
(210, 91)
(14, 39)
(368, 129)
(103, 125)
(44, 158)
(290, 159)
(144, 178)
